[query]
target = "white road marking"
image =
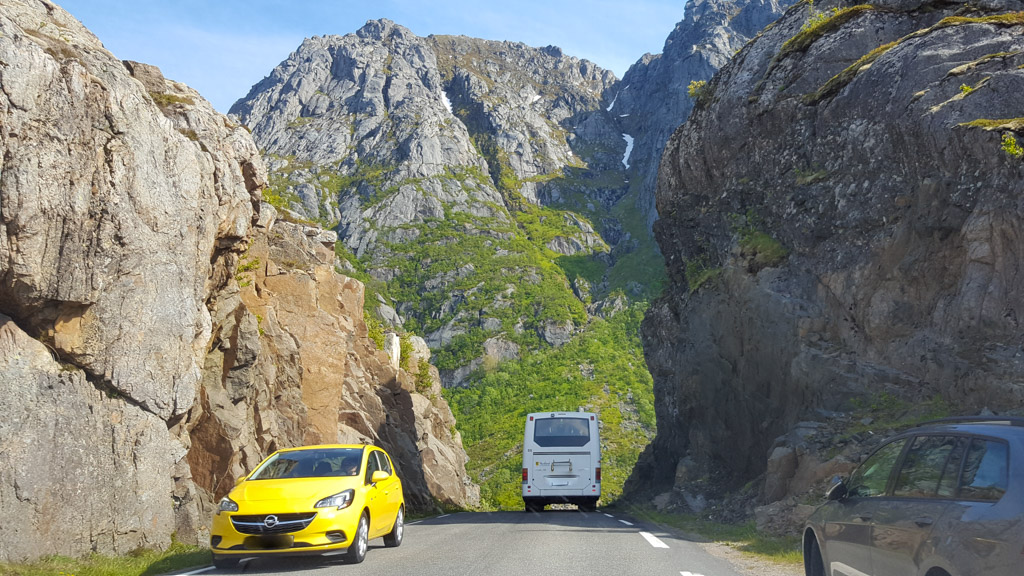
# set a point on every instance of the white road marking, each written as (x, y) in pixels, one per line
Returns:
(200, 571)
(626, 523)
(653, 540)
(444, 516)
(689, 574)
(609, 515)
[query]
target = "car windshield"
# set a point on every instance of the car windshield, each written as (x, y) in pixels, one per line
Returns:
(550, 432)
(312, 463)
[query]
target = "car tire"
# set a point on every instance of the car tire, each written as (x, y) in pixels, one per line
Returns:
(225, 562)
(393, 539)
(814, 565)
(357, 550)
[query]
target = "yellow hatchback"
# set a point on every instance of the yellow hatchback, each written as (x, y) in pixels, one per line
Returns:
(314, 500)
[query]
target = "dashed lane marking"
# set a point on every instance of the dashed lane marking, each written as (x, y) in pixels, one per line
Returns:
(609, 515)
(626, 523)
(444, 516)
(653, 540)
(689, 574)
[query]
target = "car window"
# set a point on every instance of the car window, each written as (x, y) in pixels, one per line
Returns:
(310, 464)
(923, 466)
(548, 432)
(371, 466)
(984, 475)
(385, 464)
(951, 474)
(872, 477)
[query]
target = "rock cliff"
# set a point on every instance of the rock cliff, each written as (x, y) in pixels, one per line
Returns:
(458, 174)
(141, 368)
(653, 98)
(841, 220)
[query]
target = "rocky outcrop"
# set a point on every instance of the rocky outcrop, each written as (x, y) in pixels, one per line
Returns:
(653, 98)
(854, 230)
(137, 379)
(429, 156)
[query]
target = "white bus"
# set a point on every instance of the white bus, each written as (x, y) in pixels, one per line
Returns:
(561, 460)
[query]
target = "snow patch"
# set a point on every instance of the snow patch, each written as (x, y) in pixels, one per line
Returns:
(535, 98)
(447, 102)
(629, 150)
(623, 115)
(616, 99)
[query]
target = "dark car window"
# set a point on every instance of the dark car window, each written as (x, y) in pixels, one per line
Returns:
(371, 466)
(951, 474)
(385, 464)
(548, 432)
(310, 463)
(923, 466)
(984, 475)
(872, 477)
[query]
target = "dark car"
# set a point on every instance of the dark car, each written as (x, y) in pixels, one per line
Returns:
(943, 499)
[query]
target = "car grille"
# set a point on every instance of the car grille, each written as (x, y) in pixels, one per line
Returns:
(279, 524)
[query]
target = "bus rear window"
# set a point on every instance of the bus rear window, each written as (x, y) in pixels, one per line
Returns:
(548, 432)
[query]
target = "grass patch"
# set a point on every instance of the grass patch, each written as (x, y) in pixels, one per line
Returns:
(839, 81)
(699, 272)
(139, 563)
(743, 537)
(164, 100)
(1015, 124)
(818, 27)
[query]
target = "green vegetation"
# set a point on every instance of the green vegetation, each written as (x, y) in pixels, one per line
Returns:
(698, 91)
(819, 25)
(601, 371)
(757, 246)
(807, 177)
(1010, 145)
(965, 89)
(699, 271)
(375, 330)
(839, 81)
(168, 100)
(744, 537)
(1015, 124)
(142, 562)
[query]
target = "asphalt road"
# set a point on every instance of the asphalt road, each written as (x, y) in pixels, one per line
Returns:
(512, 543)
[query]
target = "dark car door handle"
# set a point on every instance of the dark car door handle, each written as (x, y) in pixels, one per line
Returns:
(924, 521)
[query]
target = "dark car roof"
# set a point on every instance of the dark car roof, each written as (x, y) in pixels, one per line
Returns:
(1005, 426)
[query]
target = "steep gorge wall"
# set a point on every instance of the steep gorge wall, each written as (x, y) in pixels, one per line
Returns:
(141, 371)
(839, 222)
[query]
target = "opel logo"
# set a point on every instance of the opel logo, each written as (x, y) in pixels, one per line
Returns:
(270, 521)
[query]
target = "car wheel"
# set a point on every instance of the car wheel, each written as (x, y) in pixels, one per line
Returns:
(225, 562)
(357, 550)
(814, 565)
(393, 539)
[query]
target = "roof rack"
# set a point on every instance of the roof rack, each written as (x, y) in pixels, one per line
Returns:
(1003, 420)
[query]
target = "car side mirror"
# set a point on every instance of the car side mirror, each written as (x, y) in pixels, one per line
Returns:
(838, 491)
(379, 476)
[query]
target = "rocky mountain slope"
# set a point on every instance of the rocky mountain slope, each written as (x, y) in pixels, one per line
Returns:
(142, 367)
(438, 159)
(653, 98)
(853, 233)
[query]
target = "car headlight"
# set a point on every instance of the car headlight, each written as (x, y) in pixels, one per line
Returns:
(227, 505)
(339, 500)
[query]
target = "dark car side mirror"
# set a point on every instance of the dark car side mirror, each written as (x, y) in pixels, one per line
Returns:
(838, 491)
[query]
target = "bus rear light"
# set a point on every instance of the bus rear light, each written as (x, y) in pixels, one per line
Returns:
(526, 475)
(597, 474)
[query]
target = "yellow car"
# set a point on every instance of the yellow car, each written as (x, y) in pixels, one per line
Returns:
(315, 500)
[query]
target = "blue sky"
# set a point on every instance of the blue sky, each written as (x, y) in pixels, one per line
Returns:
(223, 47)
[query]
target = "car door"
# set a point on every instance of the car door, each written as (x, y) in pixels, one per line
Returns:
(392, 486)
(921, 494)
(982, 532)
(848, 523)
(375, 501)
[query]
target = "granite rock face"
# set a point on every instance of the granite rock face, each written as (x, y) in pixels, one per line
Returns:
(436, 160)
(137, 380)
(653, 98)
(854, 230)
